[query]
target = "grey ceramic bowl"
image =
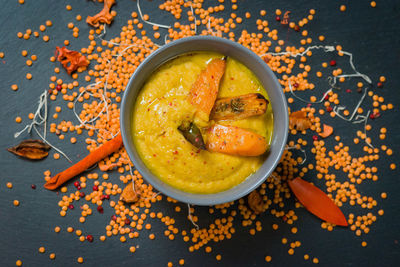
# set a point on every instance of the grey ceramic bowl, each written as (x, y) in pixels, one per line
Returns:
(249, 59)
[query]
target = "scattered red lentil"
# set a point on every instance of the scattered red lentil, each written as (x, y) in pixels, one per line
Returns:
(130, 219)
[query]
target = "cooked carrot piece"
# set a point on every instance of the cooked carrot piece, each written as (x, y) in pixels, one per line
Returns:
(205, 89)
(239, 107)
(235, 141)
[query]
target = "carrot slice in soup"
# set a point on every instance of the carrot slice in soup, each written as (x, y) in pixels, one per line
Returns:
(205, 89)
(235, 141)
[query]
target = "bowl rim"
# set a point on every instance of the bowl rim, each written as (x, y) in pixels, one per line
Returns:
(233, 193)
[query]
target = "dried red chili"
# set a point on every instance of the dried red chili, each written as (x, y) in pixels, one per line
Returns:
(104, 16)
(285, 19)
(130, 194)
(71, 60)
(298, 120)
(255, 202)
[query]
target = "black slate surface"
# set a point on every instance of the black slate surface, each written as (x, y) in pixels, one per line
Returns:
(371, 34)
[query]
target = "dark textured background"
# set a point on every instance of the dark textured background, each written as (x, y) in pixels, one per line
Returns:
(371, 34)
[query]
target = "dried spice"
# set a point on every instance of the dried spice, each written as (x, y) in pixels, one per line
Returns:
(71, 60)
(255, 202)
(285, 19)
(237, 105)
(107, 167)
(104, 16)
(130, 194)
(327, 131)
(31, 149)
(298, 120)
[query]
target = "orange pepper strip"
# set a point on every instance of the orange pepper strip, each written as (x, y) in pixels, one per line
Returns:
(95, 156)
(317, 202)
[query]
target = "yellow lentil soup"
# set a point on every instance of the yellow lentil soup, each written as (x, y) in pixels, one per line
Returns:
(162, 105)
